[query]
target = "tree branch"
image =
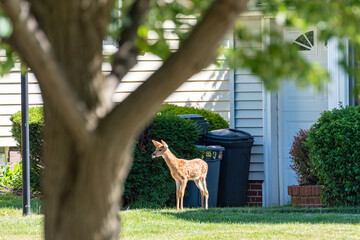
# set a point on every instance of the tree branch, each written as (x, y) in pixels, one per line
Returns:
(126, 57)
(34, 47)
(196, 52)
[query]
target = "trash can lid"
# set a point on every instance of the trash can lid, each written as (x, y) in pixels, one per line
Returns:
(192, 116)
(229, 134)
(211, 147)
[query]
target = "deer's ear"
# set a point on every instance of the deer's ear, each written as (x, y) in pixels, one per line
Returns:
(164, 143)
(156, 143)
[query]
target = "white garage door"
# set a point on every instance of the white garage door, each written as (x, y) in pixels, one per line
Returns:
(298, 108)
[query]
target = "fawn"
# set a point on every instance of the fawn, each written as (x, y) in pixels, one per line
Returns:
(182, 171)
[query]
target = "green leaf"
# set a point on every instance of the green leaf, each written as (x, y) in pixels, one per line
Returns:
(142, 32)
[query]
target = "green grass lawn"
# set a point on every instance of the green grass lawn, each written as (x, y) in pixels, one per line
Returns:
(13, 226)
(224, 223)
(242, 223)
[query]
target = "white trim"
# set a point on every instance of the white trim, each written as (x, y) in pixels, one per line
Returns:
(266, 186)
(232, 85)
(338, 90)
(282, 191)
(267, 149)
(271, 158)
(255, 13)
(271, 182)
(264, 193)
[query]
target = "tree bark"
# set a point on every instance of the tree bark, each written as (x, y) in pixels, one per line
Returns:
(82, 191)
(87, 155)
(197, 51)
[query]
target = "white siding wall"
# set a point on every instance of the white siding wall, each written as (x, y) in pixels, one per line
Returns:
(10, 102)
(208, 89)
(248, 97)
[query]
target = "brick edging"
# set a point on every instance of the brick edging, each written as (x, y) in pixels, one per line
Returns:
(306, 196)
(309, 190)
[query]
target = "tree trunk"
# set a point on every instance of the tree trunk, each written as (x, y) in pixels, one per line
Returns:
(82, 191)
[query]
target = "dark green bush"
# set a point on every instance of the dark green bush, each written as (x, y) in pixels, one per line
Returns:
(149, 183)
(299, 155)
(36, 125)
(214, 119)
(334, 144)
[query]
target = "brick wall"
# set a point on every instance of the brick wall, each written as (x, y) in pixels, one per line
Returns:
(305, 196)
(14, 156)
(254, 193)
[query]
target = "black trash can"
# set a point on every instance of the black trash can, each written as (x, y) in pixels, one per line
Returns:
(202, 125)
(234, 169)
(212, 156)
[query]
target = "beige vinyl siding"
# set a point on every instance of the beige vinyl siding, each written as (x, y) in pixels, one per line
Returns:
(208, 89)
(10, 102)
(248, 98)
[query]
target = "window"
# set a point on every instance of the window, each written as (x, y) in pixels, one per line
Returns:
(2, 156)
(305, 42)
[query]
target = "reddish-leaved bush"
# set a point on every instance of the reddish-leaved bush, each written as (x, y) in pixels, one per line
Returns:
(299, 155)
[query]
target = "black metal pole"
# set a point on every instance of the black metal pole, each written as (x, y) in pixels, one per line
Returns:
(25, 142)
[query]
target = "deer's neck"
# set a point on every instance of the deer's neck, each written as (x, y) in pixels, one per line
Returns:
(170, 159)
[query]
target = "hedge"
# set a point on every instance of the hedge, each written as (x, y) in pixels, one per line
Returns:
(36, 126)
(334, 144)
(149, 183)
(214, 119)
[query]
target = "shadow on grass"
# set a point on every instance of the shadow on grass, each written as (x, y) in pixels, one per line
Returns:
(8, 200)
(269, 215)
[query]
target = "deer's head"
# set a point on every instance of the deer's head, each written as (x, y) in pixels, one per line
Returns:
(160, 148)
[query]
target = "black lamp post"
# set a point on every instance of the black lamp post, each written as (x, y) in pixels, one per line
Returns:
(25, 140)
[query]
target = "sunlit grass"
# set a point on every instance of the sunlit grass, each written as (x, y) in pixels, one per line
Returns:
(15, 226)
(241, 223)
(11, 205)
(220, 223)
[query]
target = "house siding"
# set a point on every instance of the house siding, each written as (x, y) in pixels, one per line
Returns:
(10, 102)
(208, 89)
(248, 104)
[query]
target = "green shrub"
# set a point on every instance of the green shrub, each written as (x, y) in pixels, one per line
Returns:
(36, 125)
(214, 119)
(11, 179)
(334, 144)
(299, 155)
(149, 183)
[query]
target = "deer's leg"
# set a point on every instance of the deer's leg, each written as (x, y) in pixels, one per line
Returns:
(198, 184)
(182, 192)
(206, 193)
(177, 194)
